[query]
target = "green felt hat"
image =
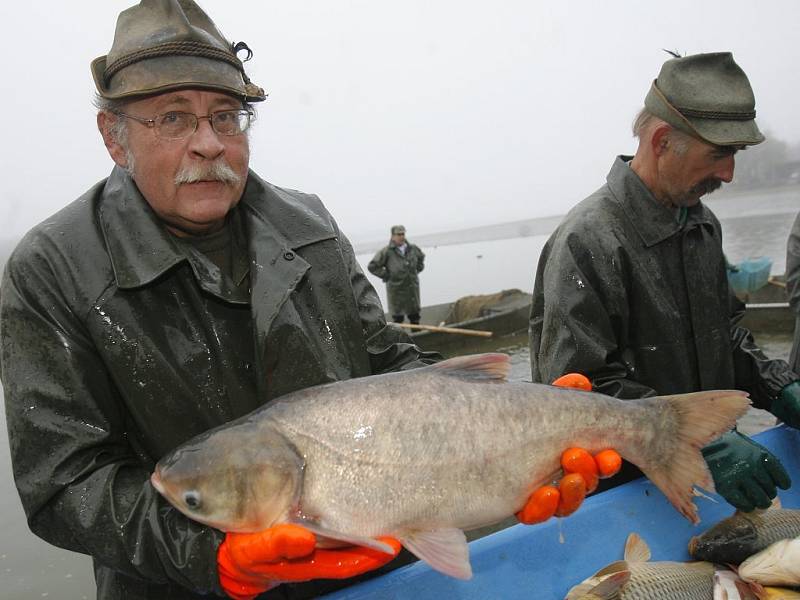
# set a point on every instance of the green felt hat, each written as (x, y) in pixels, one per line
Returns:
(166, 45)
(707, 96)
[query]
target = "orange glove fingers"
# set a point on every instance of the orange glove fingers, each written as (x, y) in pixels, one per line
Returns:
(609, 462)
(541, 505)
(339, 563)
(575, 381)
(284, 541)
(578, 460)
(572, 488)
(239, 590)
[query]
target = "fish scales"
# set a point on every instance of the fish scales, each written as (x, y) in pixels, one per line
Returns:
(507, 445)
(673, 580)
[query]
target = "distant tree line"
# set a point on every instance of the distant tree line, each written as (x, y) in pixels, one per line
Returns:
(773, 163)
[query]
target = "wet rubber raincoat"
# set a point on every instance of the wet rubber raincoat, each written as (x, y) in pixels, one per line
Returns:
(793, 288)
(400, 274)
(116, 348)
(639, 302)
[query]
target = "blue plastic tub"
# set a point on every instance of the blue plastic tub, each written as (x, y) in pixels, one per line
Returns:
(545, 561)
(752, 274)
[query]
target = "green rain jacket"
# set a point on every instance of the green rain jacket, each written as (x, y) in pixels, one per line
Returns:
(400, 274)
(793, 287)
(116, 348)
(640, 303)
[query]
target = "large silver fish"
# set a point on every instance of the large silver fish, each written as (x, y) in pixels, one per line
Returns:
(741, 535)
(421, 455)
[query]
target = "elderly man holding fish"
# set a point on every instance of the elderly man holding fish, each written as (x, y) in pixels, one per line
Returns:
(631, 288)
(175, 296)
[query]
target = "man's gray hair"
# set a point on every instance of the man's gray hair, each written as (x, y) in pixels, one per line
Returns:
(646, 120)
(119, 128)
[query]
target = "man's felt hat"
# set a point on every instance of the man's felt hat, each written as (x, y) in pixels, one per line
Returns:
(165, 45)
(707, 96)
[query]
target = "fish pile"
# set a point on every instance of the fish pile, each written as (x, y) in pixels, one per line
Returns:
(634, 578)
(733, 540)
(764, 544)
(424, 454)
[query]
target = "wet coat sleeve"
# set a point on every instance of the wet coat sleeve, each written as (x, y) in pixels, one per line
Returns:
(578, 310)
(754, 372)
(793, 288)
(390, 348)
(420, 260)
(82, 483)
(377, 266)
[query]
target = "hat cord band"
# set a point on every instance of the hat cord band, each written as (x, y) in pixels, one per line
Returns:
(172, 49)
(719, 115)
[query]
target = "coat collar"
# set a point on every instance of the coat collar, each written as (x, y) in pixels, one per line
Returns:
(139, 246)
(141, 249)
(652, 220)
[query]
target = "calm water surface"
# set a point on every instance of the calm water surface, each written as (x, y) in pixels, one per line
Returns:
(753, 226)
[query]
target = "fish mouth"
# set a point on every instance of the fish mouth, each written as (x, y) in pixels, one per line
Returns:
(692, 545)
(155, 480)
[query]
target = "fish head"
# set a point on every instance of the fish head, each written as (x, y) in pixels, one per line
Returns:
(729, 541)
(241, 478)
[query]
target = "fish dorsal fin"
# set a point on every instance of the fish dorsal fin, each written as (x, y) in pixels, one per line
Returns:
(489, 367)
(636, 549)
(615, 567)
(608, 589)
(445, 550)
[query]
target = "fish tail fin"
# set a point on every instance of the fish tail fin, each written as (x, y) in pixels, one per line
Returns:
(690, 422)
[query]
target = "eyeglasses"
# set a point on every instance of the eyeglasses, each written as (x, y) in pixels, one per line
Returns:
(177, 125)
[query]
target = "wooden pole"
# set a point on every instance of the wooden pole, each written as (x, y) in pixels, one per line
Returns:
(774, 281)
(475, 332)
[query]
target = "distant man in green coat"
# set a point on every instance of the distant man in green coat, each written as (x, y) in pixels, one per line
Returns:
(631, 288)
(398, 264)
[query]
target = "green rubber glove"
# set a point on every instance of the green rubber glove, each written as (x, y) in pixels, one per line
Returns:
(787, 405)
(745, 473)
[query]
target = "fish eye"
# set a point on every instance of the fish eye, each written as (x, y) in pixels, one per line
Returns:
(192, 499)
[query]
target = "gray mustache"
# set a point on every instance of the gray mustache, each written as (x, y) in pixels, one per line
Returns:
(216, 171)
(707, 186)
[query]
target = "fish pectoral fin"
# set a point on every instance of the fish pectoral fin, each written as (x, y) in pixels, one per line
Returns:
(445, 550)
(353, 540)
(615, 567)
(611, 587)
(636, 549)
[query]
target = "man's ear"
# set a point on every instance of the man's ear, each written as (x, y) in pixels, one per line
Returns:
(659, 142)
(105, 120)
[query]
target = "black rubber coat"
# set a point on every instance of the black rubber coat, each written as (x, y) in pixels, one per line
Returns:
(640, 303)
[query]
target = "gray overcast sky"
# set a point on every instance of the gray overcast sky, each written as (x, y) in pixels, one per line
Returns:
(438, 114)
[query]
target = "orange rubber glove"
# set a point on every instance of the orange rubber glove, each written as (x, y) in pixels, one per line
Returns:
(582, 472)
(252, 563)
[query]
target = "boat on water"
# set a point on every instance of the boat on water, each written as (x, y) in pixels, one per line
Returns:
(768, 309)
(506, 314)
(545, 561)
(502, 314)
